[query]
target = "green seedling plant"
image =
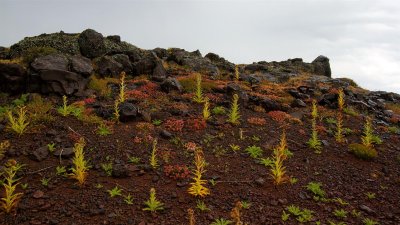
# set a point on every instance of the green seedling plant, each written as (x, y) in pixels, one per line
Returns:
(61, 171)
(234, 115)
(20, 123)
(45, 181)
(65, 109)
(116, 191)
(245, 204)
(153, 204)
(340, 213)
(103, 130)
(316, 189)
(107, 168)
(221, 221)
(153, 157)
(254, 151)
(128, 199)
(302, 216)
(314, 142)
(157, 122)
(134, 160)
(10, 199)
(80, 166)
(218, 110)
(370, 195)
(51, 147)
(200, 205)
(198, 95)
(234, 147)
(368, 221)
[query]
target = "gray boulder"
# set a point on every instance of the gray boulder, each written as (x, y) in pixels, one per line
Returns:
(193, 60)
(171, 84)
(91, 44)
(50, 62)
(81, 65)
(127, 111)
(108, 67)
(220, 62)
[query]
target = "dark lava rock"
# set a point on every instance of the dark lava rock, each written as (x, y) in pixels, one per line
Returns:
(322, 66)
(91, 44)
(81, 65)
(165, 134)
(220, 62)
(159, 72)
(108, 67)
(40, 154)
(127, 111)
(64, 152)
(62, 82)
(367, 209)
(13, 78)
(171, 84)
(124, 61)
(120, 171)
(298, 103)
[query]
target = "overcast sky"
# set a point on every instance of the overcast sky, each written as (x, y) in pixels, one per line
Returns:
(361, 37)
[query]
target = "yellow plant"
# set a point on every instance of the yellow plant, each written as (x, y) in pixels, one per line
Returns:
(280, 154)
(234, 112)
(192, 221)
(101, 85)
(314, 142)
(206, 109)
(367, 138)
(153, 204)
(197, 187)
(116, 110)
(19, 124)
(153, 158)
(122, 87)
(235, 213)
(237, 75)
(198, 96)
(11, 198)
(80, 165)
(4, 145)
(339, 124)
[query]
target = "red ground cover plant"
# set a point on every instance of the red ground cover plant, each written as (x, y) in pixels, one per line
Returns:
(257, 121)
(149, 89)
(89, 100)
(177, 172)
(196, 124)
(279, 116)
(190, 146)
(174, 125)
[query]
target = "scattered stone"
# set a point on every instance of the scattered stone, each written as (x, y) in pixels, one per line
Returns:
(127, 111)
(165, 134)
(298, 103)
(120, 171)
(40, 154)
(38, 194)
(260, 181)
(171, 84)
(91, 43)
(367, 209)
(13, 78)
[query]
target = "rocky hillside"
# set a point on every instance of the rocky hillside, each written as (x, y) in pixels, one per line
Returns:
(210, 141)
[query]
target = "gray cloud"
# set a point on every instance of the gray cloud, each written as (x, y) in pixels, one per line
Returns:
(361, 37)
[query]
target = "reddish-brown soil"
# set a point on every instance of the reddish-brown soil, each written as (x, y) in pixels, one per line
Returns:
(238, 177)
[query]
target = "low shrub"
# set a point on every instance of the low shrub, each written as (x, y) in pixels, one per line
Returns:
(362, 151)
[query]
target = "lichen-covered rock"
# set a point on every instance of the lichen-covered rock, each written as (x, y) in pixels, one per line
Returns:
(91, 43)
(220, 62)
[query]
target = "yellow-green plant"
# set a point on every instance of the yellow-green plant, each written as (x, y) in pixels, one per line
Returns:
(339, 124)
(280, 154)
(368, 136)
(314, 142)
(122, 87)
(153, 204)
(153, 157)
(237, 75)
(64, 110)
(20, 123)
(206, 109)
(197, 187)
(234, 112)
(198, 95)
(11, 197)
(116, 110)
(80, 166)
